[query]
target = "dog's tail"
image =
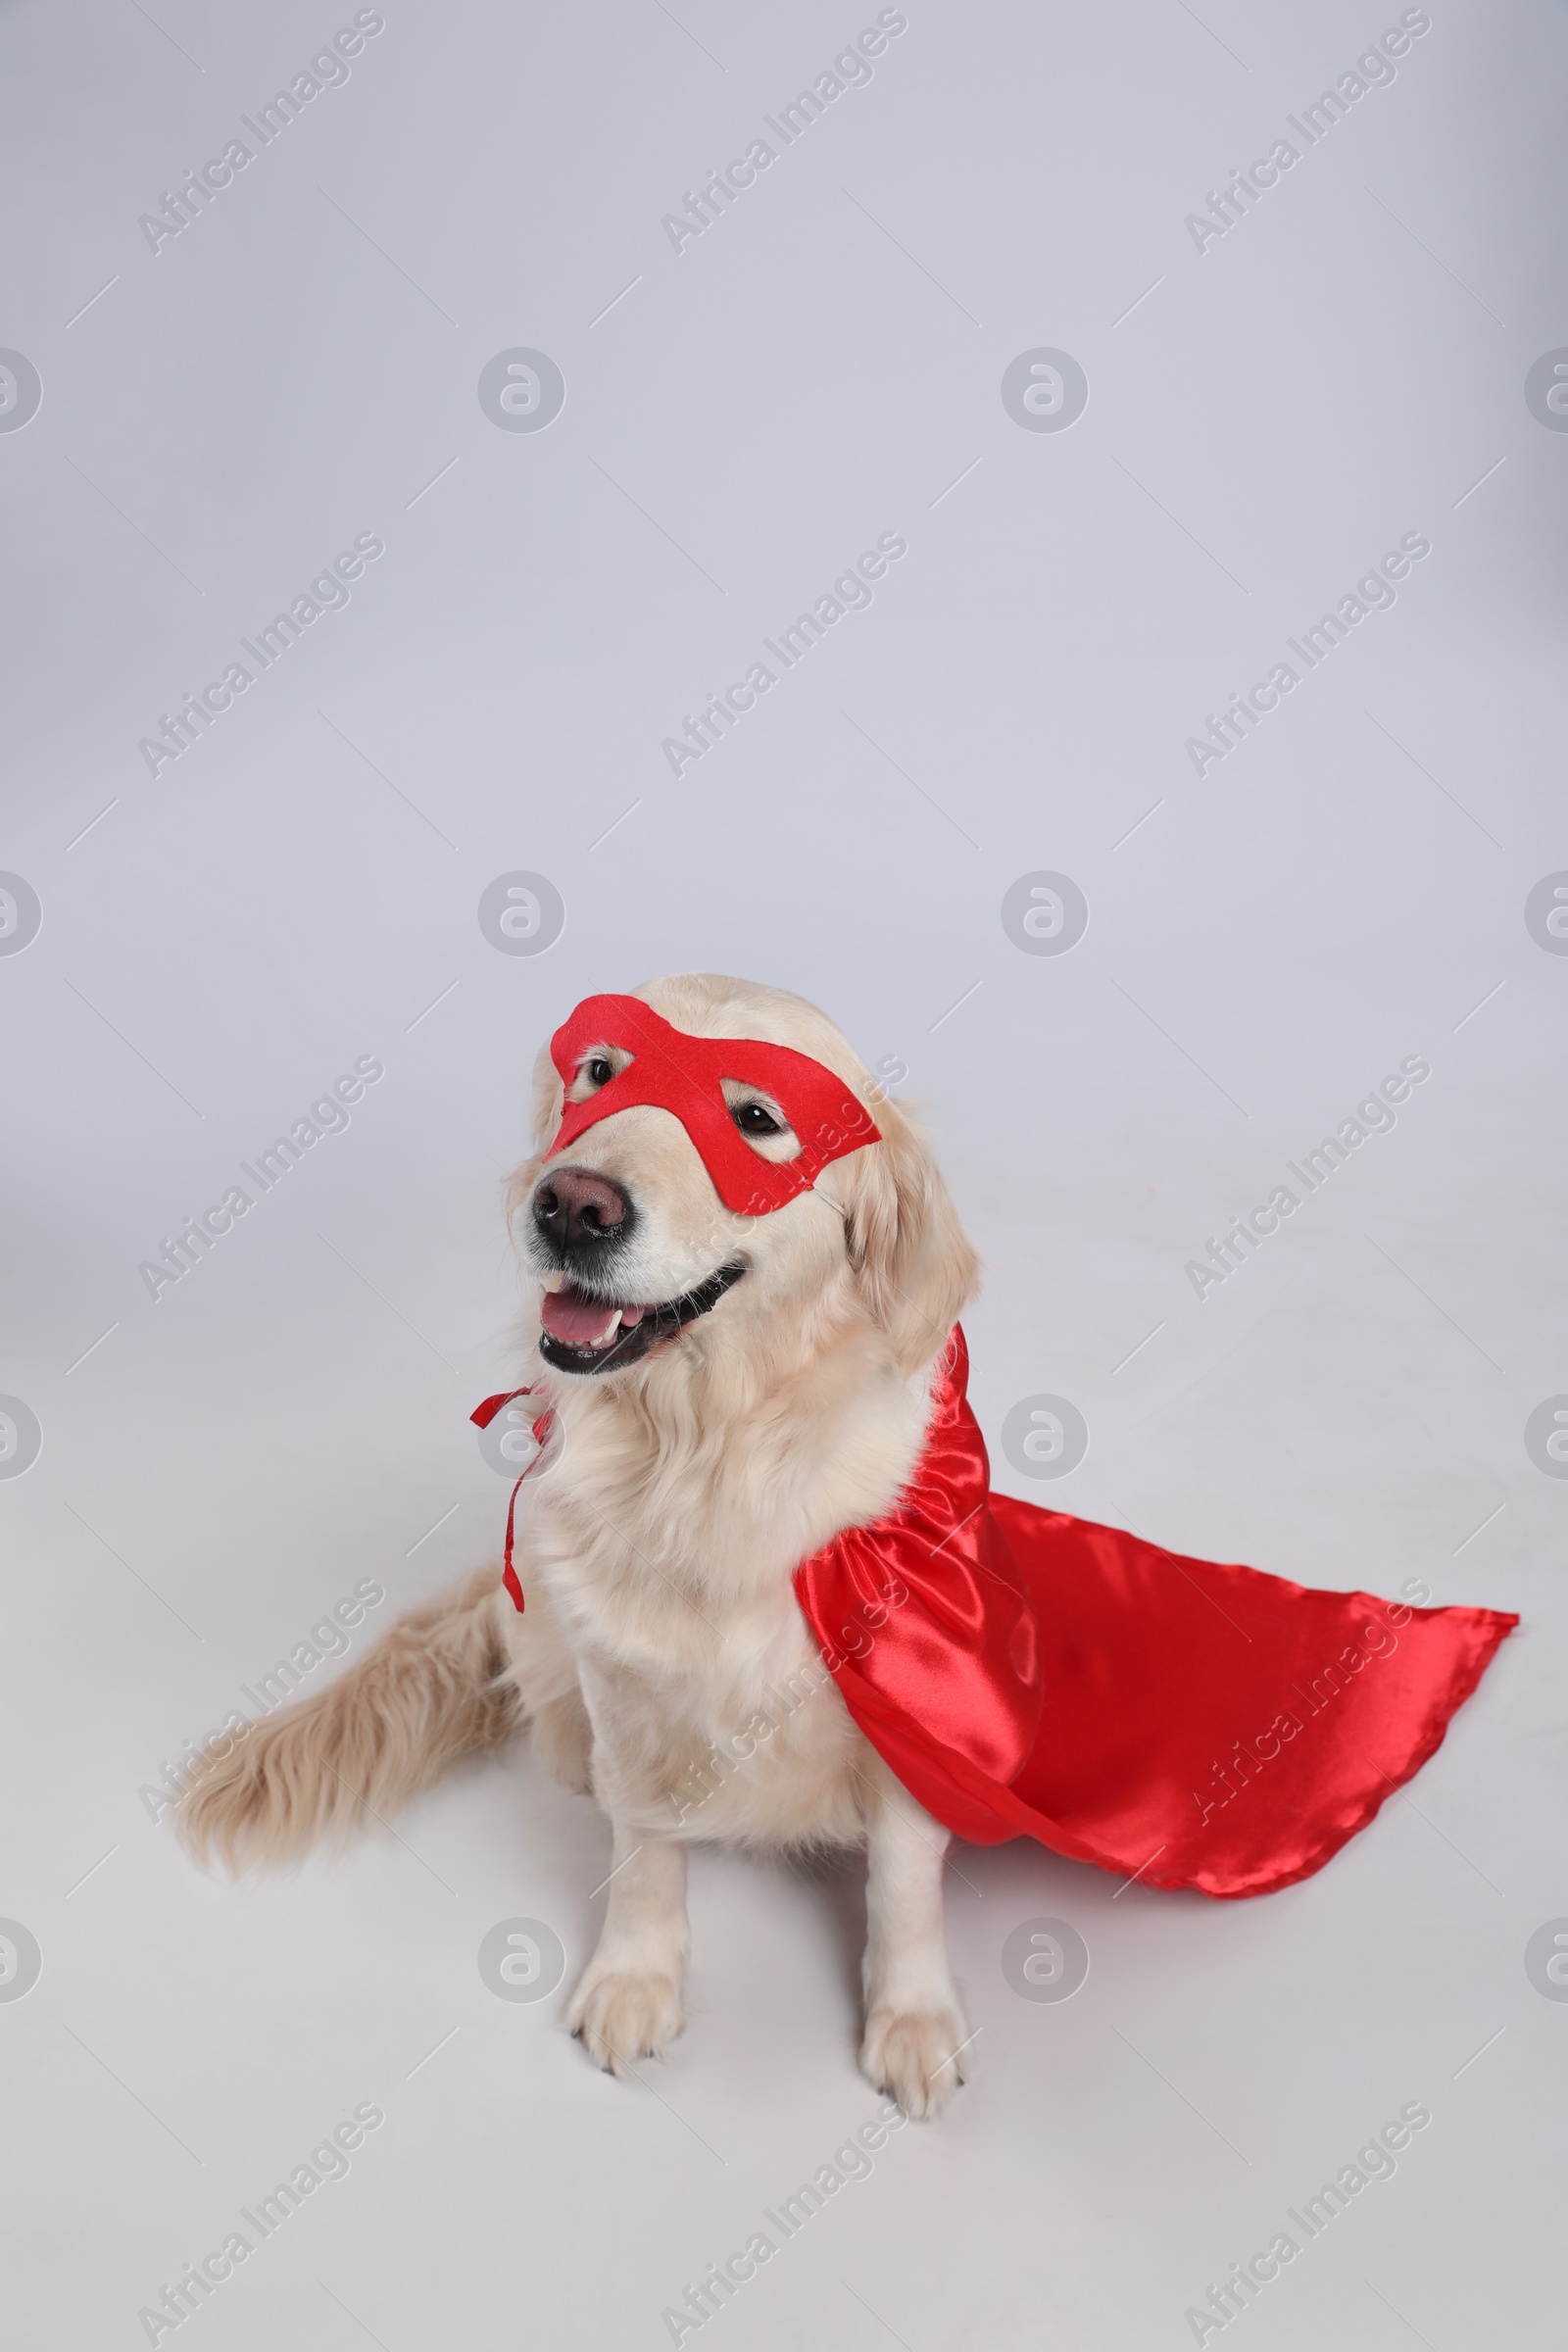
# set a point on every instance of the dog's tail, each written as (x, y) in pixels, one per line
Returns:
(430, 1690)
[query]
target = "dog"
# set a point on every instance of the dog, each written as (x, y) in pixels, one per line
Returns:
(728, 1393)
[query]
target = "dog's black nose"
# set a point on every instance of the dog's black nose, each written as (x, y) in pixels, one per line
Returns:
(573, 1209)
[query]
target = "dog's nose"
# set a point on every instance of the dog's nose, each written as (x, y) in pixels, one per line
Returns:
(571, 1207)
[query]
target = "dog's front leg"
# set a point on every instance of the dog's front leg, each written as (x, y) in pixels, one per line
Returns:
(629, 2004)
(914, 2026)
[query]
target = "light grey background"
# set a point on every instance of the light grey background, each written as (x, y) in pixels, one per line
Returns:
(300, 887)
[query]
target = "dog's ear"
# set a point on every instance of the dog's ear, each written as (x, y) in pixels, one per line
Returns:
(913, 1260)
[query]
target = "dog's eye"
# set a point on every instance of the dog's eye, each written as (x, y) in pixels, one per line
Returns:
(599, 1071)
(752, 1119)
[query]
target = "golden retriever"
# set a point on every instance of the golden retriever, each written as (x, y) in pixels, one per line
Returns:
(763, 1385)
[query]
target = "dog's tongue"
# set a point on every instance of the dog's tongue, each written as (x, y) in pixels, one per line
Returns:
(581, 1322)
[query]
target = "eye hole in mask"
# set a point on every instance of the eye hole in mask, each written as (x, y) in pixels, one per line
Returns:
(595, 1069)
(760, 1118)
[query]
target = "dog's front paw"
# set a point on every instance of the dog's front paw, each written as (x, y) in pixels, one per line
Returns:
(621, 2017)
(914, 2056)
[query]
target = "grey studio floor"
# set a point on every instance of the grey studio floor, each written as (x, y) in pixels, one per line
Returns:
(996, 294)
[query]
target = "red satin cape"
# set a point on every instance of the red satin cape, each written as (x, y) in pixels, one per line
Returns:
(1026, 1674)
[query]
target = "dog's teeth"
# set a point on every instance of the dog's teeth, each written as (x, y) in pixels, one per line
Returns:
(553, 1281)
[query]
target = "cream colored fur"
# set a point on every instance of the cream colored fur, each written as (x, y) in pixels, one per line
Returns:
(657, 1558)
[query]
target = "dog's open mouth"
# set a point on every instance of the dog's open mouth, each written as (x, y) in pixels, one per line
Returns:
(585, 1334)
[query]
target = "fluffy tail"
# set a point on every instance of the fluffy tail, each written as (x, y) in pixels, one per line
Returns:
(430, 1690)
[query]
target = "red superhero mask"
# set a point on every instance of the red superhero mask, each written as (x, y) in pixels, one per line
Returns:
(679, 1073)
